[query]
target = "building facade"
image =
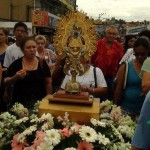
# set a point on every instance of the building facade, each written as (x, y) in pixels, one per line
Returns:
(42, 14)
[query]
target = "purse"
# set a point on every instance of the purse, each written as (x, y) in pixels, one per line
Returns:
(125, 76)
(95, 77)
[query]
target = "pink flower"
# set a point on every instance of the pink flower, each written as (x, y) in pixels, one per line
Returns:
(78, 126)
(39, 138)
(29, 148)
(15, 144)
(85, 146)
(66, 132)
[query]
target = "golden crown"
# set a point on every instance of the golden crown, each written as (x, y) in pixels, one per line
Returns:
(75, 29)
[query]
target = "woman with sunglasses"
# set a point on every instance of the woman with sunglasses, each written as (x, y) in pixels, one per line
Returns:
(141, 139)
(131, 99)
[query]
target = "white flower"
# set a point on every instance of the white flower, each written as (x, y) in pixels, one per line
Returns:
(29, 130)
(53, 136)
(93, 121)
(102, 139)
(88, 134)
(126, 130)
(48, 118)
(7, 116)
(70, 148)
(36, 120)
(21, 138)
(65, 120)
(105, 115)
(105, 106)
(45, 146)
(121, 146)
(19, 121)
(26, 132)
(1, 134)
(117, 133)
(33, 116)
(75, 128)
(59, 118)
(45, 126)
(2, 124)
(20, 110)
(116, 113)
(97, 122)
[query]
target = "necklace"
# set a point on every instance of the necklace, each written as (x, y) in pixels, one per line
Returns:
(30, 66)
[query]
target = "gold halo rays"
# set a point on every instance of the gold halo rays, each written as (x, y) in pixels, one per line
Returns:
(85, 27)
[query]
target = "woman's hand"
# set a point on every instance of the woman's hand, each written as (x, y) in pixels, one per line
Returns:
(20, 74)
(52, 55)
(84, 88)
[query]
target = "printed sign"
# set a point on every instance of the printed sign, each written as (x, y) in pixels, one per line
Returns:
(40, 18)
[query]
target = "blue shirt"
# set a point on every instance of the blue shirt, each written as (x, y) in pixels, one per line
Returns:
(141, 137)
(132, 99)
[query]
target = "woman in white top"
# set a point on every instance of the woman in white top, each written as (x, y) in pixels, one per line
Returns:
(44, 53)
(87, 80)
(129, 55)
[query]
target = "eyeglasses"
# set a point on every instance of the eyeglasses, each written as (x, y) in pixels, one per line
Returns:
(142, 54)
(22, 31)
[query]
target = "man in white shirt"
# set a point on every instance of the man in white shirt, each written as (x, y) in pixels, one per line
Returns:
(13, 51)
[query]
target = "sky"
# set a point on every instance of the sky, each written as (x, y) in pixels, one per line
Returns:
(128, 10)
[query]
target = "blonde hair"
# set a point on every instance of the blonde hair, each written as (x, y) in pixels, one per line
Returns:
(111, 27)
(40, 37)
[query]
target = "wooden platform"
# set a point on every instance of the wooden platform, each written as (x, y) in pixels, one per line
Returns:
(62, 97)
(63, 94)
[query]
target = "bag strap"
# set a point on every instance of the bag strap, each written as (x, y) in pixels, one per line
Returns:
(95, 77)
(125, 75)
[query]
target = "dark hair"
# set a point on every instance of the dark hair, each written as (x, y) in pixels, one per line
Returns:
(142, 42)
(127, 39)
(145, 33)
(24, 40)
(21, 24)
(6, 32)
(10, 39)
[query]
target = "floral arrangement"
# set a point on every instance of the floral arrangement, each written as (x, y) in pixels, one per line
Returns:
(21, 129)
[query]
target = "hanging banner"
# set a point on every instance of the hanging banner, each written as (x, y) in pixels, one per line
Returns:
(40, 18)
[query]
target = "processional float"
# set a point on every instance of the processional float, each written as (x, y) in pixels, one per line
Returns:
(75, 38)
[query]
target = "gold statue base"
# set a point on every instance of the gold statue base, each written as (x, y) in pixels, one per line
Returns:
(77, 113)
(62, 97)
(73, 87)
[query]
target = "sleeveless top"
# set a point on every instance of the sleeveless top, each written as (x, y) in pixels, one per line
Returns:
(132, 99)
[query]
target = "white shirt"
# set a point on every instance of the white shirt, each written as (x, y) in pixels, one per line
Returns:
(87, 79)
(127, 56)
(13, 52)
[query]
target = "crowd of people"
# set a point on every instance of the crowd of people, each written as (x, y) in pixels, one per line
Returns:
(30, 69)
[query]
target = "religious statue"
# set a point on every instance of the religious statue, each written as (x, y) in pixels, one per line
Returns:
(75, 38)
